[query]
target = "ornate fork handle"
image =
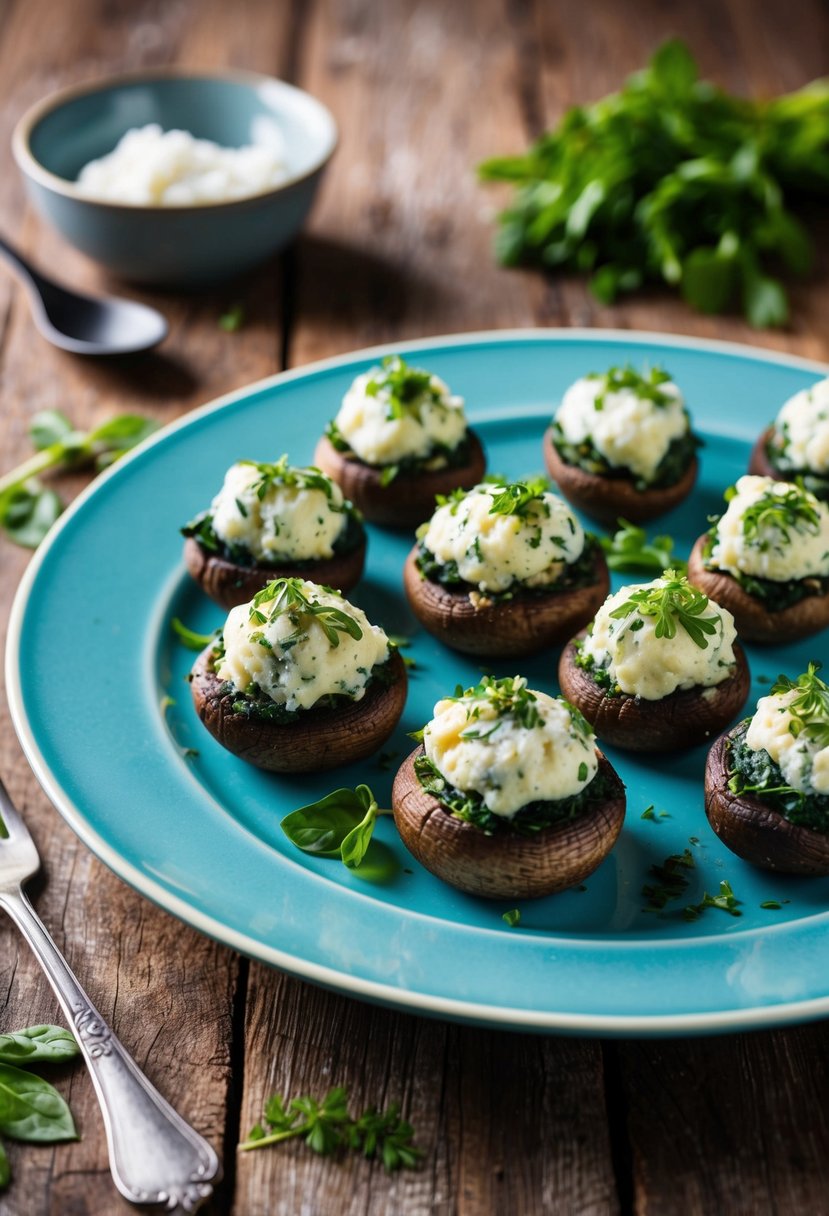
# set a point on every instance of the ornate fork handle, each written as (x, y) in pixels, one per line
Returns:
(154, 1155)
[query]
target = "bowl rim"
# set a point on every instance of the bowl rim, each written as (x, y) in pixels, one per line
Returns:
(31, 167)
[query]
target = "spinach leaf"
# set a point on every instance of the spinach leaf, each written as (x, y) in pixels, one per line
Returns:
(31, 1109)
(339, 825)
(38, 1045)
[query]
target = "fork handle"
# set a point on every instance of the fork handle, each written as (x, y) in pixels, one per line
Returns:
(155, 1157)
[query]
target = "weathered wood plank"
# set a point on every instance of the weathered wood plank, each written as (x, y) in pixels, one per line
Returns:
(170, 993)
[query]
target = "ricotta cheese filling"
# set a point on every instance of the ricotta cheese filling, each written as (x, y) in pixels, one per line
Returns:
(152, 167)
(479, 750)
(645, 665)
(629, 430)
(277, 647)
(801, 438)
(381, 427)
(801, 759)
(774, 530)
(278, 517)
(494, 550)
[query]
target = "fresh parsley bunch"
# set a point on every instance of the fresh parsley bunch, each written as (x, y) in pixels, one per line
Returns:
(676, 181)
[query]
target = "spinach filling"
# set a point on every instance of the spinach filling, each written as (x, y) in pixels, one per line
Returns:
(598, 674)
(450, 458)
(757, 774)
(257, 706)
(815, 483)
(201, 529)
(775, 596)
(530, 820)
(580, 573)
(671, 468)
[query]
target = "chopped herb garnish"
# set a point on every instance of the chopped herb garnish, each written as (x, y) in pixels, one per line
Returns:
(646, 386)
(772, 905)
(404, 388)
(726, 901)
(672, 601)
(517, 497)
(648, 813)
(778, 511)
(630, 550)
(808, 706)
(233, 319)
(287, 597)
(670, 880)
(512, 918)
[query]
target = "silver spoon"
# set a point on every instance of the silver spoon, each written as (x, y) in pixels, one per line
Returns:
(83, 324)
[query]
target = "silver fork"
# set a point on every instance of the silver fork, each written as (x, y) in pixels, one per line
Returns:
(155, 1157)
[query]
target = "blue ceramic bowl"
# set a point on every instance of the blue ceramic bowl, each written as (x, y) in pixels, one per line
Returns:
(174, 246)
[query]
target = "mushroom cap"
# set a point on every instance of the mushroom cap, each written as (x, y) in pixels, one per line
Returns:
(229, 584)
(318, 740)
(512, 628)
(682, 719)
(407, 500)
(754, 830)
(505, 865)
(608, 499)
(754, 621)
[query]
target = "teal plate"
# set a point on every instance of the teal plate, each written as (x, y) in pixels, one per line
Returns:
(91, 659)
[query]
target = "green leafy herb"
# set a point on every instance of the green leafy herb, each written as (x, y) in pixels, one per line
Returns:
(672, 180)
(648, 813)
(512, 917)
(327, 1127)
(339, 825)
(672, 602)
(808, 706)
(671, 880)
(517, 497)
(726, 901)
(771, 519)
(31, 1109)
(287, 596)
(646, 385)
(405, 388)
(27, 510)
(281, 473)
(233, 319)
(630, 550)
(191, 639)
(38, 1045)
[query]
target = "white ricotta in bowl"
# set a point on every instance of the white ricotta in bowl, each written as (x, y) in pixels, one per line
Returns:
(479, 750)
(283, 650)
(154, 168)
(651, 667)
(629, 429)
(774, 530)
(279, 518)
(493, 551)
(801, 439)
(381, 429)
(802, 760)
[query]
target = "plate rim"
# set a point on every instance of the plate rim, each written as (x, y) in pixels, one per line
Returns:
(404, 1000)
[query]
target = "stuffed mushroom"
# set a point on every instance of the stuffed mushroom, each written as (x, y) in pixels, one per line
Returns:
(767, 560)
(796, 445)
(659, 669)
(299, 680)
(621, 445)
(508, 796)
(399, 438)
(274, 521)
(503, 570)
(767, 780)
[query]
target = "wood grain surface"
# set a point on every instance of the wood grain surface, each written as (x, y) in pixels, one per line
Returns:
(399, 247)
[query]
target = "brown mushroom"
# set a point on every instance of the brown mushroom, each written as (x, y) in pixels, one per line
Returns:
(531, 621)
(505, 865)
(754, 621)
(229, 583)
(318, 740)
(759, 463)
(752, 829)
(410, 497)
(682, 719)
(608, 499)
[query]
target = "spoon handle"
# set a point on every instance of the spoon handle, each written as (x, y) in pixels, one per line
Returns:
(155, 1157)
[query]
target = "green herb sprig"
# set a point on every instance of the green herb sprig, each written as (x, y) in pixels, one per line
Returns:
(726, 901)
(629, 550)
(280, 472)
(27, 508)
(781, 512)
(809, 706)
(31, 1109)
(327, 1127)
(647, 385)
(339, 825)
(672, 180)
(189, 637)
(405, 388)
(672, 604)
(518, 497)
(287, 597)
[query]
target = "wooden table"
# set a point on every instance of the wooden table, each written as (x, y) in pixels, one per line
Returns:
(398, 248)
